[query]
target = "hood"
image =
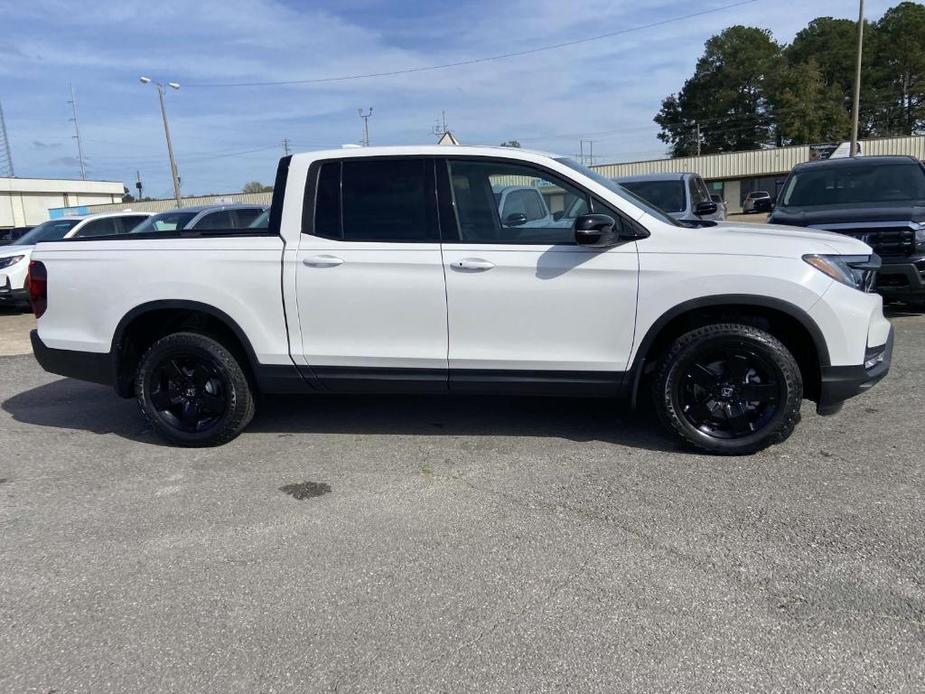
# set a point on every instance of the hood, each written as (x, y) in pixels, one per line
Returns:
(778, 240)
(846, 214)
(8, 251)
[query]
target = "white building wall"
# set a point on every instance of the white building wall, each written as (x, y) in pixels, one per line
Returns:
(26, 201)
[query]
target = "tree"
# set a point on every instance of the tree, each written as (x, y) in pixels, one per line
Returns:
(899, 80)
(806, 109)
(726, 101)
(511, 143)
(256, 187)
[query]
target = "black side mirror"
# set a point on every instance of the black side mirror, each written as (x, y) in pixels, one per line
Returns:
(515, 219)
(705, 208)
(596, 231)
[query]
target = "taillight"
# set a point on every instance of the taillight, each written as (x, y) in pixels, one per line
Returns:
(37, 281)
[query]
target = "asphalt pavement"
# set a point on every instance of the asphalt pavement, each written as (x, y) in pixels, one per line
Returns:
(458, 544)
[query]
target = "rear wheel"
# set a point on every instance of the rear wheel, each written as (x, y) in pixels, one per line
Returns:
(193, 391)
(729, 388)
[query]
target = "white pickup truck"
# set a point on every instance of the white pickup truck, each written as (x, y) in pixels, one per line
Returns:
(391, 269)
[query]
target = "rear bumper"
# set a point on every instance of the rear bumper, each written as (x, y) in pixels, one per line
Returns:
(840, 383)
(96, 367)
(902, 277)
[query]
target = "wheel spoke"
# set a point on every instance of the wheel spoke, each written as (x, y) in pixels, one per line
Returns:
(201, 375)
(702, 376)
(758, 392)
(737, 419)
(699, 412)
(190, 414)
(162, 399)
(174, 372)
(737, 368)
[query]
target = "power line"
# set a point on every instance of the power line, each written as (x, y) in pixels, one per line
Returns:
(488, 59)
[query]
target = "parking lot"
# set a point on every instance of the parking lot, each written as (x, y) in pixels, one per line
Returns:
(456, 544)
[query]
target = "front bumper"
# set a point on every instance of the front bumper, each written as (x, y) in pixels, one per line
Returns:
(96, 367)
(12, 295)
(842, 382)
(900, 278)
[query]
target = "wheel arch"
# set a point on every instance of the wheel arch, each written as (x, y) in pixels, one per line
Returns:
(145, 323)
(808, 342)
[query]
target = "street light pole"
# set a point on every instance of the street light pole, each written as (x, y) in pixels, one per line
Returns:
(161, 89)
(855, 116)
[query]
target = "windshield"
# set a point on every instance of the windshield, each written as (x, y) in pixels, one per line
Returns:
(55, 230)
(619, 190)
(861, 183)
(665, 195)
(165, 221)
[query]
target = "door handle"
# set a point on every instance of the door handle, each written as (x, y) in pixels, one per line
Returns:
(477, 264)
(323, 261)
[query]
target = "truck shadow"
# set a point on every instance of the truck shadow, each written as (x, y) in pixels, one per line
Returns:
(69, 404)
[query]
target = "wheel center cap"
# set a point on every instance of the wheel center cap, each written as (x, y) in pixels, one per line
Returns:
(727, 391)
(190, 392)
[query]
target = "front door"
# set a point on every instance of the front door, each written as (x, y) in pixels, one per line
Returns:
(528, 309)
(370, 287)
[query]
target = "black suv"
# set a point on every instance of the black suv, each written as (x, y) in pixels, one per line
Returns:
(879, 200)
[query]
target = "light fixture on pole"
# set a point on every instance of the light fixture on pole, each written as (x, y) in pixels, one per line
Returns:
(365, 117)
(161, 89)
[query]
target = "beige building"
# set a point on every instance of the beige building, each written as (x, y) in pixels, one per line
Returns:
(26, 201)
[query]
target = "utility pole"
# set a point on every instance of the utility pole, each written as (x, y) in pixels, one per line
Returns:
(440, 129)
(6, 157)
(285, 143)
(365, 118)
(855, 115)
(699, 140)
(76, 135)
(161, 88)
(138, 185)
(581, 152)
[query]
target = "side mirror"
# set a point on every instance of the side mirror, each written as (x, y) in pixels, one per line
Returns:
(596, 231)
(516, 219)
(558, 215)
(705, 208)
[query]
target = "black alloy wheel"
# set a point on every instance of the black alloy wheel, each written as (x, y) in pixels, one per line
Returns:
(188, 392)
(729, 388)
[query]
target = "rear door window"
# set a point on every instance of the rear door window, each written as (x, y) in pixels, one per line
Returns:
(380, 200)
(216, 220)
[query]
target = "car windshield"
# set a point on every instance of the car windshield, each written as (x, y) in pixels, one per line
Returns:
(55, 230)
(619, 190)
(860, 183)
(667, 196)
(165, 221)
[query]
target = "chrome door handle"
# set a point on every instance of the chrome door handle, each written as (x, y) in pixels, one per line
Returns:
(323, 261)
(472, 264)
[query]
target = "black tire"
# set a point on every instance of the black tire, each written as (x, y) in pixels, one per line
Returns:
(193, 391)
(705, 381)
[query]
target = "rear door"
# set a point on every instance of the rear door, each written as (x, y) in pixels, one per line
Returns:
(528, 309)
(369, 283)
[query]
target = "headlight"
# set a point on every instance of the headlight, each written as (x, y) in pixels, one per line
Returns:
(856, 271)
(10, 261)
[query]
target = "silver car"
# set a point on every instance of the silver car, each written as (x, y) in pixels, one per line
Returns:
(684, 196)
(202, 218)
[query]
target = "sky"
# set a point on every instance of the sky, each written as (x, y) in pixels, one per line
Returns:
(606, 90)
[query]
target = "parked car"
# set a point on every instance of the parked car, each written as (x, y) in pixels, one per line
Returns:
(758, 201)
(389, 269)
(879, 200)
(202, 218)
(14, 257)
(7, 236)
(684, 196)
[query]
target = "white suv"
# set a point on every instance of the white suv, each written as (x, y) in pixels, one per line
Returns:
(392, 269)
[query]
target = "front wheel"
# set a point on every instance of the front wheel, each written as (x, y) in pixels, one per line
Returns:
(729, 388)
(193, 391)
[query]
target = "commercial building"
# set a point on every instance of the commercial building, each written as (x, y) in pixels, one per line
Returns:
(736, 174)
(27, 201)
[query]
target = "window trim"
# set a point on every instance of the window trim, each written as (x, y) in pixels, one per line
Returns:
(310, 198)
